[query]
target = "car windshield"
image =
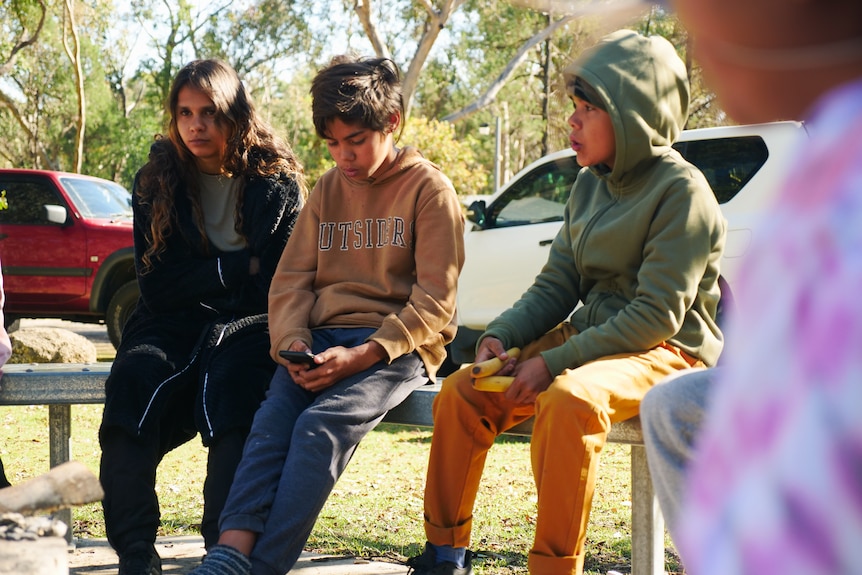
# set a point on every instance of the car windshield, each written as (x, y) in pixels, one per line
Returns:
(540, 196)
(99, 198)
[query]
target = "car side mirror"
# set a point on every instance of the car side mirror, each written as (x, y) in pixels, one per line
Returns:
(476, 212)
(56, 214)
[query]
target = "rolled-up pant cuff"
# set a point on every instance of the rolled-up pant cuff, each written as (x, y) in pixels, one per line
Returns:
(545, 565)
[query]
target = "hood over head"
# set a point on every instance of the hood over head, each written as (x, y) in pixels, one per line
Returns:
(644, 87)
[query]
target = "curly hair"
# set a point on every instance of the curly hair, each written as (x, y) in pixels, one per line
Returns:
(356, 90)
(253, 150)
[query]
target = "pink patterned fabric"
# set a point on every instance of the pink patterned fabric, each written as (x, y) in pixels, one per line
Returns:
(777, 486)
(5, 344)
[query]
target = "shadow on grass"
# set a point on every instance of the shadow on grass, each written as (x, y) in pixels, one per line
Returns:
(616, 555)
(396, 428)
(392, 552)
(602, 556)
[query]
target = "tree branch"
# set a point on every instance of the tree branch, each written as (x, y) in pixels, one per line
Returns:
(74, 54)
(16, 113)
(362, 8)
(434, 24)
(491, 93)
(7, 65)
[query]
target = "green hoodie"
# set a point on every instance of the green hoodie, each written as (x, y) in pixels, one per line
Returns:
(640, 244)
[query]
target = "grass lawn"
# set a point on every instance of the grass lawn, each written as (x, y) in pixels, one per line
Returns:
(376, 507)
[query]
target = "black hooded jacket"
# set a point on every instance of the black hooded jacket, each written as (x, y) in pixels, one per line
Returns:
(195, 301)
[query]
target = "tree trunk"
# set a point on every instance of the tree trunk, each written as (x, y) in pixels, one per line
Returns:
(519, 57)
(74, 54)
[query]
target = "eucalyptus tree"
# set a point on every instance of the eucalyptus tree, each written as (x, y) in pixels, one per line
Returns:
(466, 61)
(72, 47)
(447, 51)
(21, 24)
(39, 113)
(256, 37)
(171, 29)
(510, 69)
(423, 19)
(471, 62)
(57, 109)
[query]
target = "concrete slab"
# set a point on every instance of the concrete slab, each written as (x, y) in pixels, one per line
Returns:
(182, 554)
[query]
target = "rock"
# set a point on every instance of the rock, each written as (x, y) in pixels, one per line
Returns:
(50, 345)
(43, 556)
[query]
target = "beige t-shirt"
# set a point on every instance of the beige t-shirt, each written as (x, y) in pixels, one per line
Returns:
(218, 200)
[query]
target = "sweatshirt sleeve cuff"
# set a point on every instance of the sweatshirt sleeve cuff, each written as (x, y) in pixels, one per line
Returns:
(393, 340)
(558, 360)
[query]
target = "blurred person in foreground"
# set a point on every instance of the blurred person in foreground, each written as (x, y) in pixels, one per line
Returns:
(5, 354)
(774, 483)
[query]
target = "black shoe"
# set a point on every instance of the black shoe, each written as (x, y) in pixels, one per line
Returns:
(426, 564)
(140, 559)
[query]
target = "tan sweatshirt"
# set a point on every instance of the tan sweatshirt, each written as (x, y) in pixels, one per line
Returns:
(385, 253)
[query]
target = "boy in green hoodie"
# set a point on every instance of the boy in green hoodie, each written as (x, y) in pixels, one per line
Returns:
(639, 249)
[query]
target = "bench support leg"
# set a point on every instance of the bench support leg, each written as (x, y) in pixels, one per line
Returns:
(60, 425)
(647, 521)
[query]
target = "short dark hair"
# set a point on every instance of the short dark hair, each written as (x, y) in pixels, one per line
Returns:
(585, 91)
(356, 90)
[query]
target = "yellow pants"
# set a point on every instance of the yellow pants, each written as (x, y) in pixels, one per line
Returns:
(573, 417)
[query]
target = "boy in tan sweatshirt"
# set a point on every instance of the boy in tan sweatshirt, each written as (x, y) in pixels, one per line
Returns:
(367, 285)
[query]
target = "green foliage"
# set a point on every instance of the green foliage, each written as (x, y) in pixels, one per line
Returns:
(38, 93)
(40, 112)
(235, 36)
(438, 142)
(288, 108)
(290, 116)
(118, 146)
(703, 110)
(493, 33)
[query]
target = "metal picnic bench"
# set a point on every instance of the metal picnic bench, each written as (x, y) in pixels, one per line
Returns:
(59, 386)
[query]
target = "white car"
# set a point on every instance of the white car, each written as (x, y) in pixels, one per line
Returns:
(508, 236)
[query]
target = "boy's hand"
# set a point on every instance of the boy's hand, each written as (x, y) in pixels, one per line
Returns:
(531, 378)
(493, 347)
(296, 369)
(336, 363)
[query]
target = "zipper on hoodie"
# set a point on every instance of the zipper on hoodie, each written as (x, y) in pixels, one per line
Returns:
(587, 229)
(177, 374)
(594, 305)
(206, 381)
(160, 387)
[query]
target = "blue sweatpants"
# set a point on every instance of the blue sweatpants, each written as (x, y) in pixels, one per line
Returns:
(300, 444)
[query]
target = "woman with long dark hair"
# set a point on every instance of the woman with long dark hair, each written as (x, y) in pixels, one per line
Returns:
(213, 208)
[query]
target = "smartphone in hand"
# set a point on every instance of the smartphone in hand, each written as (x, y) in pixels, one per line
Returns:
(305, 357)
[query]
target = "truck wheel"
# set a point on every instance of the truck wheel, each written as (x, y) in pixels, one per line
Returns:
(120, 307)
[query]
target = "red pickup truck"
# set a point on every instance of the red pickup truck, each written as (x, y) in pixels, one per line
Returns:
(66, 248)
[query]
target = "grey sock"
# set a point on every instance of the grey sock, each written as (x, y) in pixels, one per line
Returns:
(223, 560)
